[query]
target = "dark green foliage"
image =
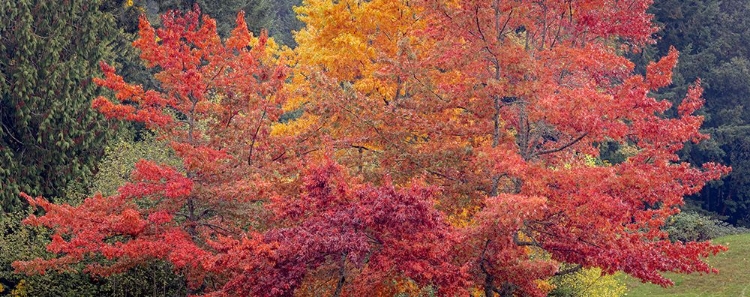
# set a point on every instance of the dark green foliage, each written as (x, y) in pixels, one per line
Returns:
(125, 57)
(276, 16)
(49, 136)
(50, 139)
(224, 12)
(692, 226)
(712, 37)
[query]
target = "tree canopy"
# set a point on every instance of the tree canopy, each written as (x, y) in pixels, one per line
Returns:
(449, 147)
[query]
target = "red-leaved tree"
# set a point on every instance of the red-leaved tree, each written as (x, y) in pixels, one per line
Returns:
(463, 155)
(214, 105)
(247, 213)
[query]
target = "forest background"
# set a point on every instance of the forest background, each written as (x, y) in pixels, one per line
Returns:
(54, 145)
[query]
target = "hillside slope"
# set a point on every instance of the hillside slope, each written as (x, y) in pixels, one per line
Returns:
(733, 278)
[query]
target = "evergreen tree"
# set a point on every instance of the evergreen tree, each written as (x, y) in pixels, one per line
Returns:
(49, 136)
(224, 11)
(712, 38)
(276, 16)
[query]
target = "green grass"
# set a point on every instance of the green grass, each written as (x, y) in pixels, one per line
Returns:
(733, 278)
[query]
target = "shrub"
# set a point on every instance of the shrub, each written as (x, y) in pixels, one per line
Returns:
(587, 282)
(691, 226)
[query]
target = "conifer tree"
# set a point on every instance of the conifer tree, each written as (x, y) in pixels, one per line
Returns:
(49, 136)
(711, 36)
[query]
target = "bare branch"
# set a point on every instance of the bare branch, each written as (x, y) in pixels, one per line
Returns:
(570, 270)
(567, 145)
(255, 137)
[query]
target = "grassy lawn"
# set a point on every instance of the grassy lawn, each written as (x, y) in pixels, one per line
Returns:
(733, 278)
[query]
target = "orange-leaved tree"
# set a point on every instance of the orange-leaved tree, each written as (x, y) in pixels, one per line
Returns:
(505, 105)
(248, 212)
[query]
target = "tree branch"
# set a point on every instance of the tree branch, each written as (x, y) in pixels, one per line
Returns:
(342, 276)
(520, 242)
(567, 145)
(255, 137)
(570, 270)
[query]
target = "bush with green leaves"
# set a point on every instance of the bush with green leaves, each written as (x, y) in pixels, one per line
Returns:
(692, 226)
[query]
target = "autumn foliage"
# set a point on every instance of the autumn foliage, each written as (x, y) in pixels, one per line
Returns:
(448, 146)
